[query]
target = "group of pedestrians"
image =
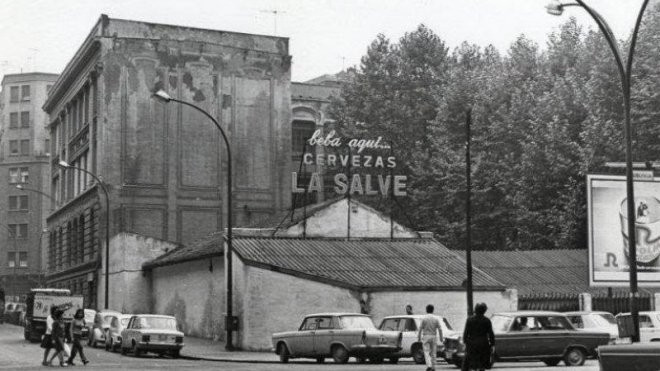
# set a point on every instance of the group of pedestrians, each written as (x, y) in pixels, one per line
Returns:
(478, 337)
(55, 338)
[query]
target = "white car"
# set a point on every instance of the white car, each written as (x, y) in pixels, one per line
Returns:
(649, 325)
(116, 325)
(97, 334)
(594, 321)
(409, 327)
(152, 333)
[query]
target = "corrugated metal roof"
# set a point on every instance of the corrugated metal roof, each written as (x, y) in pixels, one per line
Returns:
(540, 272)
(406, 264)
(210, 245)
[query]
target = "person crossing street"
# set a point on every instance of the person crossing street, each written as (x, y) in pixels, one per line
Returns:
(430, 334)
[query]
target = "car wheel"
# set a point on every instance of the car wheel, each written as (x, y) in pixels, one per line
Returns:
(339, 354)
(361, 360)
(283, 352)
(124, 350)
(394, 360)
(552, 361)
(320, 359)
(175, 353)
(574, 357)
(136, 351)
(418, 354)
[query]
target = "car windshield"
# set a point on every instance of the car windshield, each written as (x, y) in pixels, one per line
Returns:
(161, 323)
(600, 320)
(609, 317)
(447, 324)
(357, 322)
(500, 323)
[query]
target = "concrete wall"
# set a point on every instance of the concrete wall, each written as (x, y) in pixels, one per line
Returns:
(130, 289)
(269, 302)
(449, 304)
(333, 222)
(194, 294)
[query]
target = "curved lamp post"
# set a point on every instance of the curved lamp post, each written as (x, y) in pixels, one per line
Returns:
(66, 166)
(44, 230)
(230, 321)
(557, 8)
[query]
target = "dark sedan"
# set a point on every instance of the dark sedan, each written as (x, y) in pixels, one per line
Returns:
(535, 336)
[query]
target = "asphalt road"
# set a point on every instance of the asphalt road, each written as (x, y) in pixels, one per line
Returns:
(18, 354)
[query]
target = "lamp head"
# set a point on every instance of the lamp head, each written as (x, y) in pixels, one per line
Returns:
(19, 186)
(554, 8)
(63, 164)
(162, 96)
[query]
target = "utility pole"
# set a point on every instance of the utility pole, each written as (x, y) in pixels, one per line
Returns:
(275, 13)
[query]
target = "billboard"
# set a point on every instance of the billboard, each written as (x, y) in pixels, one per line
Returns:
(608, 230)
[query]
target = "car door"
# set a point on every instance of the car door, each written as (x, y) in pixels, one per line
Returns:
(507, 340)
(552, 335)
(301, 343)
(327, 330)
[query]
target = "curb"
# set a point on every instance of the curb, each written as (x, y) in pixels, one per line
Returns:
(232, 360)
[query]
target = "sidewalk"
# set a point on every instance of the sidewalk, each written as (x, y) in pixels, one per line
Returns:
(206, 349)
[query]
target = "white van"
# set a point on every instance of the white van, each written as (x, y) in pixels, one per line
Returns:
(649, 325)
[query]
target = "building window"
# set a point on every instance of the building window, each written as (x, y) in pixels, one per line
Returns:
(22, 259)
(13, 94)
(25, 119)
(11, 259)
(25, 174)
(18, 231)
(18, 202)
(13, 120)
(25, 92)
(25, 147)
(301, 132)
(13, 147)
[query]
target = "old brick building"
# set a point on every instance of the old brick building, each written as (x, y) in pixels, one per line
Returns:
(164, 165)
(24, 162)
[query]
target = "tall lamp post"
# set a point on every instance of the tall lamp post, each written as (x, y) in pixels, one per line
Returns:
(230, 321)
(66, 166)
(557, 8)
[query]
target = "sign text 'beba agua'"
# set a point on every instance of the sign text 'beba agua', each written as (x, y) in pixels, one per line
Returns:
(350, 165)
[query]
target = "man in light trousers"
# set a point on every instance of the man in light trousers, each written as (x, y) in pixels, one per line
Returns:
(430, 334)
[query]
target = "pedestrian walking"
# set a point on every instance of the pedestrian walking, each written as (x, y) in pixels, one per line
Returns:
(430, 334)
(479, 340)
(47, 339)
(75, 333)
(58, 334)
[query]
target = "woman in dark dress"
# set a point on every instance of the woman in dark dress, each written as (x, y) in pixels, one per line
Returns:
(479, 340)
(58, 336)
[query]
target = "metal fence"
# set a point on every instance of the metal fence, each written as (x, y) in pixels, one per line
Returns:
(614, 304)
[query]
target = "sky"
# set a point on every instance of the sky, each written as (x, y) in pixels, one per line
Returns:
(325, 36)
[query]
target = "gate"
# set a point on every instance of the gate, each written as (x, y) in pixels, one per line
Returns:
(554, 302)
(620, 303)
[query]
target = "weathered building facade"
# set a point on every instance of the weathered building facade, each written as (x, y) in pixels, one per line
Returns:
(24, 162)
(163, 164)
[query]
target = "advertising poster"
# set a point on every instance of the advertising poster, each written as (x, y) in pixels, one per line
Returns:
(608, 230)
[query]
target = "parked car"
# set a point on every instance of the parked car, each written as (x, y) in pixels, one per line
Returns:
(595, 321)
(337, 335)
(97, 333)
(535, 336)
(152, 333)
(649, 325)
(117, 324)
(409, 327)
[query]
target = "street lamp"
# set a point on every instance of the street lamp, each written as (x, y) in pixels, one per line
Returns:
(230, 321)
(66, 166)
(52, 202)
(26, 189)
(557, 8)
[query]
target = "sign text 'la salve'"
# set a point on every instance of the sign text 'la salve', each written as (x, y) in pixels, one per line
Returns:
(360, 166)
